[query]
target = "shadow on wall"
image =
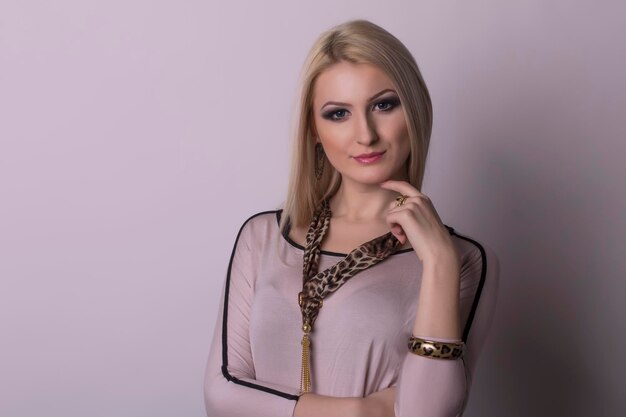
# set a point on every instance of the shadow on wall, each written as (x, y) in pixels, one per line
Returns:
(550, 172)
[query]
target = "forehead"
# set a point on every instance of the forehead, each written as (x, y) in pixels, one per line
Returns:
(345, 81)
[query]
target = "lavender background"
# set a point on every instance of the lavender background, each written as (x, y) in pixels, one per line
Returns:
(137, 136)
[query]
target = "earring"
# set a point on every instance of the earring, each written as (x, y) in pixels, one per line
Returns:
(319, 160)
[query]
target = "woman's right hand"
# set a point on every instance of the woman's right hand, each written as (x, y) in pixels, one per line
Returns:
(314, 405)
(378, 404)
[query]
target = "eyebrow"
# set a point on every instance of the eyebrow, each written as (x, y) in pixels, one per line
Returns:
(348, 105)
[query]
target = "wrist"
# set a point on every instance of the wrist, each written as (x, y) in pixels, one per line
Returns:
(356, 406)
(361, 407)
(443, 252)
(315, 405)
(443, 261)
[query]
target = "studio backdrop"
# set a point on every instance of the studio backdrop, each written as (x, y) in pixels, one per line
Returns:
(137, 136)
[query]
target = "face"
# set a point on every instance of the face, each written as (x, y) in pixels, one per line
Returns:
(357, 111)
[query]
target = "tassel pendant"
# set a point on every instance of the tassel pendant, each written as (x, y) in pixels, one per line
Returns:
(305, 374)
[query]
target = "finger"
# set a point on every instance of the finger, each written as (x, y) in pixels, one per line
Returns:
(411, 217)
(417, 208)
(399, 234)
(403, 187)
(418, 201)
(397, 231)
(412, 204)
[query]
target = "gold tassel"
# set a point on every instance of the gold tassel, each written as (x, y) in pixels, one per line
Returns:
(305, 374)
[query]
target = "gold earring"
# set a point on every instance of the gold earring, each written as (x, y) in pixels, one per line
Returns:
(319, 160)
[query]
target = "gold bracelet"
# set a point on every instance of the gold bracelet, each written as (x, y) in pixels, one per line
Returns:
(438, 350)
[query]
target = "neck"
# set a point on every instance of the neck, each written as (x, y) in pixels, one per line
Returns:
(356, 202)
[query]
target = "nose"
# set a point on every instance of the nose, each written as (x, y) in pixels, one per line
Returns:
(365, 130)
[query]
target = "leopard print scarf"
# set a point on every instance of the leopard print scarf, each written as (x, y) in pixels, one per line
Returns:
(317, 286)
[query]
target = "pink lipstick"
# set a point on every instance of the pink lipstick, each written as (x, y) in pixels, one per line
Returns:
(369, 158)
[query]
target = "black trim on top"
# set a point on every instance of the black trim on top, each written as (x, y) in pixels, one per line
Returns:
(479, 290)
(225, 372)
(326, 252)
(288, 396)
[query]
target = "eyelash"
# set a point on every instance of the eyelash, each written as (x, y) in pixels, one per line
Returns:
(394, 102)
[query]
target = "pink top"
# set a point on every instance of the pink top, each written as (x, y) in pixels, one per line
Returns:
(359, 344)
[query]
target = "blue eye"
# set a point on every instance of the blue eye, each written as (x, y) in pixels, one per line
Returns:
(392, 103)
(340, 114)
(330, 115)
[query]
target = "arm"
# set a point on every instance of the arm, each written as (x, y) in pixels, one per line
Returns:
(313, 405)
(230, 385)
(436, 387)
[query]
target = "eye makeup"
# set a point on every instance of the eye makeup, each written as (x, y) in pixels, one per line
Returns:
(391, 103)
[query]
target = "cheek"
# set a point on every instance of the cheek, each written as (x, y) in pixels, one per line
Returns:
(335, 133)
(335, 153)
(394, 127)
(336, 137)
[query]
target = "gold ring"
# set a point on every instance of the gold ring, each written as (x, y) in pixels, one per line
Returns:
(401, 199)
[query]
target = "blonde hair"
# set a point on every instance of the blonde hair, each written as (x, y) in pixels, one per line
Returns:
(355, 41)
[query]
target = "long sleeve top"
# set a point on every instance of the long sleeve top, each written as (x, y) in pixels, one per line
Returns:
(360, 341)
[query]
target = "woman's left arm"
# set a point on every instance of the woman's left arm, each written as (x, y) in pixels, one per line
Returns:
(430, 386)
(439, 387)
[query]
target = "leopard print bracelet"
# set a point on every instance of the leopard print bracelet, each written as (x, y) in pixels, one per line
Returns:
(439, 350)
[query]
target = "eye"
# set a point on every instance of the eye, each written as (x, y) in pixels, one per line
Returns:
(331, 114)
(388, 104)
(384, 105)
(384, 102)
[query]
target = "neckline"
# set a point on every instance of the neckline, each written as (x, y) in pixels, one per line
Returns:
(322, 251)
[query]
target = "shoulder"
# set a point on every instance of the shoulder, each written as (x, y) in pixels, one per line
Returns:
(261, 217)
(471, 248)
(479, 282)
(259, 223)
(476, 255)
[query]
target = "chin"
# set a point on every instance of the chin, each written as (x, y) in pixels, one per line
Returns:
(371, 178)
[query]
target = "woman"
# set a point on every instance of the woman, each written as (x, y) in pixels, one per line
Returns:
(322, 297)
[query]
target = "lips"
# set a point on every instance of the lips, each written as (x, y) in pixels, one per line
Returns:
(369, 158)
(369, 155)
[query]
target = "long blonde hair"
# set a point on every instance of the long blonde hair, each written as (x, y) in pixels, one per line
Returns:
(355, 41)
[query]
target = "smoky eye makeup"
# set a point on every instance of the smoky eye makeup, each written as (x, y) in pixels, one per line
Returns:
(393, 101)
(390, 103)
